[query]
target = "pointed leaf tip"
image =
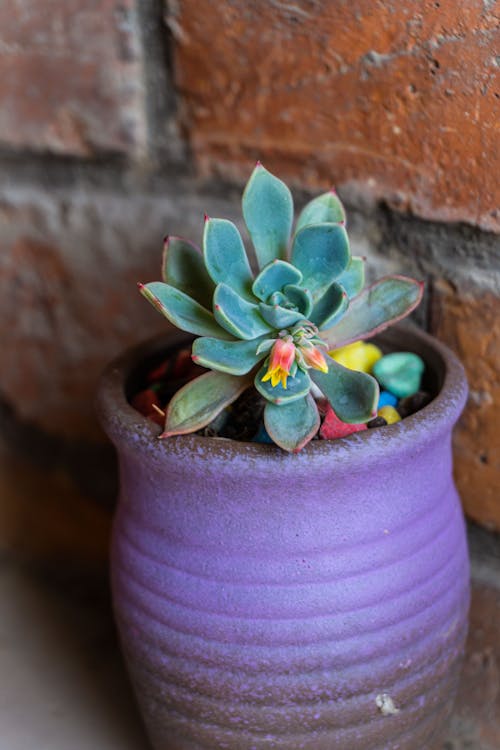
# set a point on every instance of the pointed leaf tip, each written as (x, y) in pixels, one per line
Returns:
(268, 213)
(140, 285)
(201, 400)
(206, 217)
(325, 208)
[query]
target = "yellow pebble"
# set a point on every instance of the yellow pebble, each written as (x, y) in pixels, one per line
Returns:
(357, 356)
(389, 413)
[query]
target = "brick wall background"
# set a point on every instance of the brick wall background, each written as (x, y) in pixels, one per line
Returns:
(124, 120)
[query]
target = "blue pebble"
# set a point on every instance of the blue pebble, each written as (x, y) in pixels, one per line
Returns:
(261, 436)
(387, 399)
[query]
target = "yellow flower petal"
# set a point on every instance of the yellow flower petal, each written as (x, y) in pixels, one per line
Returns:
(275, 379)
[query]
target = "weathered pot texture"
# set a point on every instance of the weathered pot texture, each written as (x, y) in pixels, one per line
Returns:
(315, 601)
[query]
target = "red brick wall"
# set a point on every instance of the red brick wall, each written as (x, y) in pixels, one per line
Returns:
(71, 77)
(401, 98)
(121, 121)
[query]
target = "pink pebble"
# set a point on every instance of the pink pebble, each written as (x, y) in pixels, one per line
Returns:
(333, 427)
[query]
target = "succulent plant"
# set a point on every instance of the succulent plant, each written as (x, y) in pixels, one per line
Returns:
(274, 328)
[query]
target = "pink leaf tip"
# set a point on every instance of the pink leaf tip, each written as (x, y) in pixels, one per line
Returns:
(258, 163)
(140, 285)
(333, 191)
(206, 217)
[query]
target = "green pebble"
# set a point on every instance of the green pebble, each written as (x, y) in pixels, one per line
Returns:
(400, 372)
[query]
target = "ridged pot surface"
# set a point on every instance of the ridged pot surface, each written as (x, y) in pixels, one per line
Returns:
(315, 601)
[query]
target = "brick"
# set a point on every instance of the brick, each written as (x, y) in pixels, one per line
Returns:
(397, 100)
(70, 77)
(69, 265)
(469, 322)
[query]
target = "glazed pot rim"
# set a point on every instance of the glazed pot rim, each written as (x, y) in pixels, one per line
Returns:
(123, 423)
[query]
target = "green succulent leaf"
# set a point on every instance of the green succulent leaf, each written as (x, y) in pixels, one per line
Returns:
(297, 387)
(183, 268)
(268, 213)
(324, 208)
(236, 315)
(321, 252)
(265, 346)
(300, 298)
(234, 357)
(181, 310)
(279, 317)
(330, 306)
(225, 256)
(353, 395)
(274, 277)
(353, 278)
(378, 306)
(201, 400)
(292, 425)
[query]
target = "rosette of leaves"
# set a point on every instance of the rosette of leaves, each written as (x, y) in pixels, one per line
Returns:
(274, 328)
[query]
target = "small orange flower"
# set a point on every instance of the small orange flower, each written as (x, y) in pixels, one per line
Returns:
(280, 362)
(314, 358)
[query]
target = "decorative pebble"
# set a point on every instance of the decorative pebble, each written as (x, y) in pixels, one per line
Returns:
(390, 414)
(159, 372)
(261, 436)
(333, 427)
(376, 422)
(357, 356)
(148, 404)
(144, 400)
(387, 399)
(414, 403)
(400, 373)
(183, 364)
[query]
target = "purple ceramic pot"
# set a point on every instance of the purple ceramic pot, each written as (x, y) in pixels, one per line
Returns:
(315, 601)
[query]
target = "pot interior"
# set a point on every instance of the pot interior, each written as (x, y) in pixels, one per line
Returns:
(396, 339)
